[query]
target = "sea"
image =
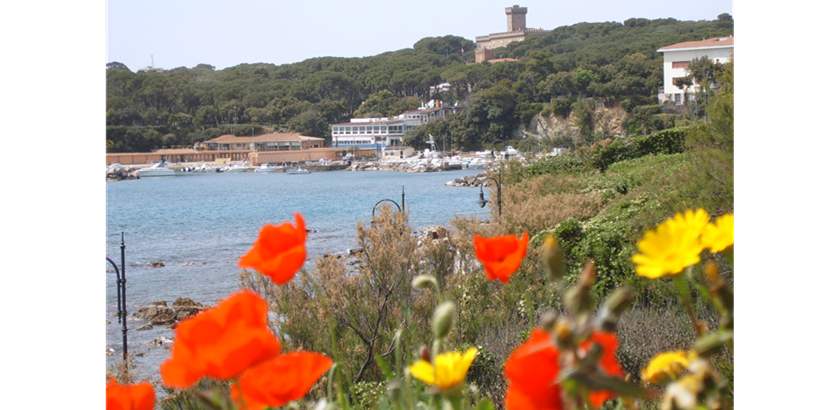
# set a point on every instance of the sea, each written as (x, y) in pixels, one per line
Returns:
(194, 227)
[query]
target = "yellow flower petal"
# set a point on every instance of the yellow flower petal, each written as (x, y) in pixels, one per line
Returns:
(721, 234)
(449, 369)
(665, 367)
(672, 246)
(424, 371)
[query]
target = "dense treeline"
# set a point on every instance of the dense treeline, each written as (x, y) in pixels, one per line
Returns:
(613, 61)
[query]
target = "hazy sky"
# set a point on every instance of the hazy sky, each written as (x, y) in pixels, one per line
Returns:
(185, 33)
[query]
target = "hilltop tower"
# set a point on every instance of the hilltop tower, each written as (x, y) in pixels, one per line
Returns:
(516, 31)
(516, 18)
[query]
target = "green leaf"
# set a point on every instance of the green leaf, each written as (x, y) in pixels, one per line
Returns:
(484, 404)
(385, 367)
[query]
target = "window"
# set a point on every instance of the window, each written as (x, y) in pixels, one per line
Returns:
(680, 64)
(678, 99)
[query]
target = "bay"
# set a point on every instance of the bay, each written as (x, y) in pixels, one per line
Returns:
(198, 226)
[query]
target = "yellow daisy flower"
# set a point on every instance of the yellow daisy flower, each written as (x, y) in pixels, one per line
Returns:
(449, 369)
(719, 235)
(665, 367)
(674, 245)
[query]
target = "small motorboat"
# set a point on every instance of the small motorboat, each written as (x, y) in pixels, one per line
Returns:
(160, 169)
(298, 171)
(237, 168)
(265, 168)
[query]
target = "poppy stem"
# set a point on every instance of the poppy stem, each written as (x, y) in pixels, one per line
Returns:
(682, 286)
(330, 318)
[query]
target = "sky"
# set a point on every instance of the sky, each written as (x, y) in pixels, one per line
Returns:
(223, 34)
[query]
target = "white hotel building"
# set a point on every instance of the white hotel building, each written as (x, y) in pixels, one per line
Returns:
(677, 57)
(379, 133)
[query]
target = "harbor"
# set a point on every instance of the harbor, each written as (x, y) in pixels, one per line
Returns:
(184, 235)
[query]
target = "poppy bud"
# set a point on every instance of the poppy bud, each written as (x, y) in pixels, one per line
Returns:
(423, 281)
(425, 354)
(578, 299)
(442, 319)
(563, 332)
(711, 343)
(554, 259)
(619, 300)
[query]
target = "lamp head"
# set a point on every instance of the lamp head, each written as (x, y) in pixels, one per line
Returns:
(481, 201)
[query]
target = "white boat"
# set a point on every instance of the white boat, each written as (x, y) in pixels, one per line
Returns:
(475, 163)
(237, 168)
(298, 170)
(159, 169)
(265, 168)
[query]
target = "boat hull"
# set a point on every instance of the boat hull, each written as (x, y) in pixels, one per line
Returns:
(155, 172)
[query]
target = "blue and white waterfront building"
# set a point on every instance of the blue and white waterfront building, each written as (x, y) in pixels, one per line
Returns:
(379, 133)
(375, 133)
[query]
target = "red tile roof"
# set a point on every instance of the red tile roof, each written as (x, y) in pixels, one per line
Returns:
(286, 136)
(499, 60)
(709, 42)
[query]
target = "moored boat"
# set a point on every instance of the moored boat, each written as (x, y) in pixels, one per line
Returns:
(159, 169)
(298, 171)
(237, 168)
(265, 168)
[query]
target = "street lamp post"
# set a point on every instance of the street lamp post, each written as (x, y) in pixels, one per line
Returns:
(482, 202)
(494, 145)
(121, 306)
(399, 208)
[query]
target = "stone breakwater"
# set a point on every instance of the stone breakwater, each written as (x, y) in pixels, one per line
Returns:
(121, 173)
(405, 166)
(471, 181)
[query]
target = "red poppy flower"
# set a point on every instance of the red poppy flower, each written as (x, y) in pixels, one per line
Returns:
(608, 364)
(278, 381)
(501, 255)
(221, 342)
(279, 251)
(140, 396)
(532, 372)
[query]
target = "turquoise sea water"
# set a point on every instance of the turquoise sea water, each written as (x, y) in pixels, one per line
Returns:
(199, 225)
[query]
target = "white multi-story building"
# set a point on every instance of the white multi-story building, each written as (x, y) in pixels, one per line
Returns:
(677, 57)
(369, 133)
(382, 132)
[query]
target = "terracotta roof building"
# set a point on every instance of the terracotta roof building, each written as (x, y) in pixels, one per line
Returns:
(288, 141)
(678, 56)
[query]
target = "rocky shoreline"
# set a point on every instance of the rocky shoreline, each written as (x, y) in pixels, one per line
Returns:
(121, 173)
(129, 173)
(405, 166)
(160, 314)
(470, 181)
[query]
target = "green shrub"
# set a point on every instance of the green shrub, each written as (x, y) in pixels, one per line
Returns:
(561, 106)
(526, 111)
(367, 394)
(560, 164)
(670, 141)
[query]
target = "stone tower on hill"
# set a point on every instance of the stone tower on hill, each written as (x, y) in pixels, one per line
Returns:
(516, 31)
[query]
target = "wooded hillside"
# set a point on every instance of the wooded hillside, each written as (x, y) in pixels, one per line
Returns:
(616, 62)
